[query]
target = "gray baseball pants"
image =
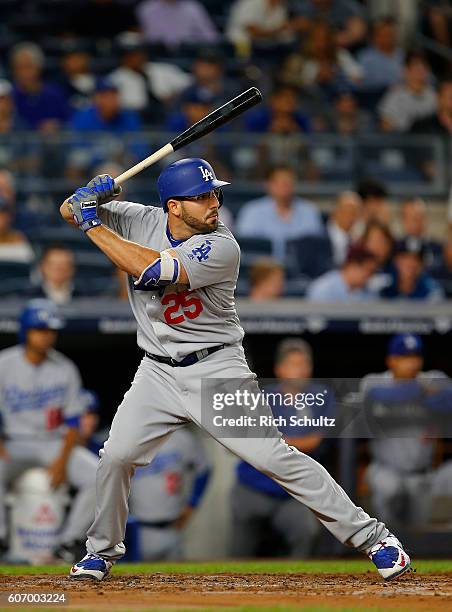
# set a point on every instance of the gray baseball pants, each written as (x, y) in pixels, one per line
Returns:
(162, 398)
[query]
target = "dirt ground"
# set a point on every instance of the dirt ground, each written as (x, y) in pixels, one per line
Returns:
(428, 592)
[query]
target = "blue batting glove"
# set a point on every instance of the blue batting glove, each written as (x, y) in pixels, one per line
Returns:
(83, 206)
(105, 187)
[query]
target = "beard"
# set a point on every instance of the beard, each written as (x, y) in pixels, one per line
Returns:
(201, 227)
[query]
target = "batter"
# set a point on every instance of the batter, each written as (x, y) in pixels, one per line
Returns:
(183, 265)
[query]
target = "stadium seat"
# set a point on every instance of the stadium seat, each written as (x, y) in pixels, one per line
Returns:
(75, 240)
(252, 248)
(14, 276)
(309, 256)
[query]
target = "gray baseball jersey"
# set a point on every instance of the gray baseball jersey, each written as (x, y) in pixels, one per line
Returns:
(36, 401)
(177, 321)
(407, 449)
(158, 492)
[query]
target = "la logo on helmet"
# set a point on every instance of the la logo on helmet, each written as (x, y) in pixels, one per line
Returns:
(206, 174)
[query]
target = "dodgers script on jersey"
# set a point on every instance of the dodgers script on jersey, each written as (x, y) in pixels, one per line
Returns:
(37, 400)
(176, 321)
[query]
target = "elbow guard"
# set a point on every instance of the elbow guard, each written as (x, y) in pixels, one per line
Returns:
(161, 272)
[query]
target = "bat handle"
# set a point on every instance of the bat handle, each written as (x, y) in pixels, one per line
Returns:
(152, 159)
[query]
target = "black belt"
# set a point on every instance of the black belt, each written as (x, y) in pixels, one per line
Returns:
(188, 360)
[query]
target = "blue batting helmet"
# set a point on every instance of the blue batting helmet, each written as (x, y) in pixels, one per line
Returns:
(187, 177)
(38, 314)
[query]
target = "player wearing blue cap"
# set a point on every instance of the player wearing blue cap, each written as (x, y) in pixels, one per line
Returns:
(39, 409)
(401, 476)
(183, 265)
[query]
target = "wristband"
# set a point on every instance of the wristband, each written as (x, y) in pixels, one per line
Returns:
(87, 225)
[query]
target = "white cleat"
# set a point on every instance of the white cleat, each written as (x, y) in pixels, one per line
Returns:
(92, 567)
(389, 558)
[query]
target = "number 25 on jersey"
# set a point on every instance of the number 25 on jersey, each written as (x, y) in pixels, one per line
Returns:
(181, 306)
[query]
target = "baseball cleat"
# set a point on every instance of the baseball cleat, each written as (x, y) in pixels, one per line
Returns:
(389, 558)
(91, 566)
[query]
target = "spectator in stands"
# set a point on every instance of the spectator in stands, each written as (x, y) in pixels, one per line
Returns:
(20, 215)
(210, 83)
(100, 19)
(57, 271)
(174, 22)
(437, 125)
(350, 283)
(409, 280)
(413, 99)
(378, 239)
(442, 272)
(321, 67)
(281, 115)
(77, 80)
(39, 104)
(258, 22)
(436, 24)
(266, 276)
(192, 108)
(382, 61)
(342, 223)
(144, 85)
(402, 476)
(348, 17)
(15, 152)
(414, 222)
(440, 122)
(280, 215)
(375, 200)
(345, 117)
(13, 244)
(259, 505)
(8, 188)
(9, 120)
(104, 115)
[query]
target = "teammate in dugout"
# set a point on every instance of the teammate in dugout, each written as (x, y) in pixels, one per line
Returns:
(403, 480)
(39, 409)
(183, 265)
(159, 499)
(164, 494)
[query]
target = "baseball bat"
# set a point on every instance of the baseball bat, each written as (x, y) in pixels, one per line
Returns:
(210, 122)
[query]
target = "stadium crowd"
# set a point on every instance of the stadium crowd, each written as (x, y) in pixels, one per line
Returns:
(75, 103)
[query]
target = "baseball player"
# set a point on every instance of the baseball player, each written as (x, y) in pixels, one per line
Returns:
(158, 498)
(183, 266)
(401, 476)
(39, 406)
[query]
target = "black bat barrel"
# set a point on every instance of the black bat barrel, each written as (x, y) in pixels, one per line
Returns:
(219, 117)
